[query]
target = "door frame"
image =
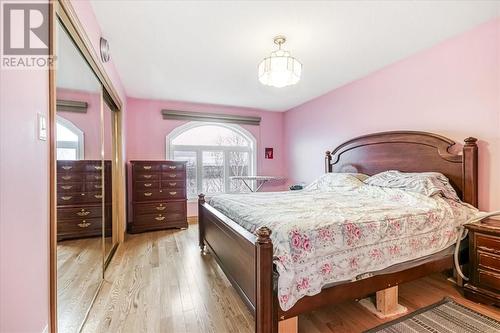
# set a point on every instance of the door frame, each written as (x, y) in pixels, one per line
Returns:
(62, 11)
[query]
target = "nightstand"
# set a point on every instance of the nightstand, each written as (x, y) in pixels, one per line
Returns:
(484, 255)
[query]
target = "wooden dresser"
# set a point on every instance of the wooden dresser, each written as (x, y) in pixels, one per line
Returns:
(158, 198)
(484, 255)
(79, 198)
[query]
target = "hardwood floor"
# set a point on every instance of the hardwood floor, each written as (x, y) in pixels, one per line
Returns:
(79, 271)
(159, 282)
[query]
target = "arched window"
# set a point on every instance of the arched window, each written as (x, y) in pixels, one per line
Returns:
(214, 153)
(70, 141)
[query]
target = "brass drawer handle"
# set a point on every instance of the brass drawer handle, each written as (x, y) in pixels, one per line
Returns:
(147, 176)
(67, 167)
(84, 224)
(173, 175)
(98, 196)
(159, 218)
(147, 185)
(83, 212)
(98, 186)
(97, 167)
(147, 167)
(173, 167)
(148, 194)
(172, 184)
(66, 177)
(66, 198)
(172, 193)
(160, 207)
(67, 187)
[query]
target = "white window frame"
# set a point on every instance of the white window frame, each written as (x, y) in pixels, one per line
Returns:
(80, 145)
(199, 149)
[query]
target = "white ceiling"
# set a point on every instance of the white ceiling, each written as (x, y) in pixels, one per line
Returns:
(208, 51)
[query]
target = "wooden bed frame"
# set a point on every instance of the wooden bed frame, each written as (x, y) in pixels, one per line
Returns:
(247, 259)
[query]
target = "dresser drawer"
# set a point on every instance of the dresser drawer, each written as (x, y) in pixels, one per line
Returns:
(172, 166)
(69, 187)
(79, 198)
(69, 166)
(147, 166)
(160, 194)
(94, 197)
(79, 226)
(147, 176)
(488, 261)
(144, 185)
(162, 207)
(98, 187)
(488, 243)
(93, 177)
(71, 198)
(94, 186)
(159, 218)
(173, 175)
(79, 212)
(165, 184)
(93, 167)
(489, 279)
(69, 177)
(149, 194)
(175, 193)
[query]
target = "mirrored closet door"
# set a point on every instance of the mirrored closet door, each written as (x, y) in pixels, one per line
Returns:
(85, 142)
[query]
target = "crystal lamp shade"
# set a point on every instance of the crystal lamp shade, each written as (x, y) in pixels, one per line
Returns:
(280, 69)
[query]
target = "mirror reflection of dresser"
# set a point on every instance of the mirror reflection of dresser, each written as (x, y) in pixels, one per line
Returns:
(81, 186)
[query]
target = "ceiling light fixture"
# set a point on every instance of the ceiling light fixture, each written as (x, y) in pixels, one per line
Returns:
(280, 69)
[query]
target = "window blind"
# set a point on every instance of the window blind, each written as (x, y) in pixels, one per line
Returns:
(210, 117)
(71, 106)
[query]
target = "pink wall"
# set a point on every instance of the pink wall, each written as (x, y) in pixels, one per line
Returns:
(452, 89)
(23, 202)
(24, 222)
(147, 131)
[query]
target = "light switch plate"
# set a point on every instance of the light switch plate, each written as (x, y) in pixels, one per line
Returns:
(42, 127)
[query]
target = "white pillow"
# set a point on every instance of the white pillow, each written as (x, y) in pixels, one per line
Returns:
(426, 183)
(329, 181)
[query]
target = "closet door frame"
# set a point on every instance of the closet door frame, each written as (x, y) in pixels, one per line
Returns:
(62, 12)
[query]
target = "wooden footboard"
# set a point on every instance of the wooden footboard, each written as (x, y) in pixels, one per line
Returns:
(234, 248)
(245, 258)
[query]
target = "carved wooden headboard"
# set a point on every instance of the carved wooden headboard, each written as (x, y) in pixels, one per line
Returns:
(409, 151)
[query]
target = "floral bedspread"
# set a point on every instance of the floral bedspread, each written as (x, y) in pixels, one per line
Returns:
(321, 237)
